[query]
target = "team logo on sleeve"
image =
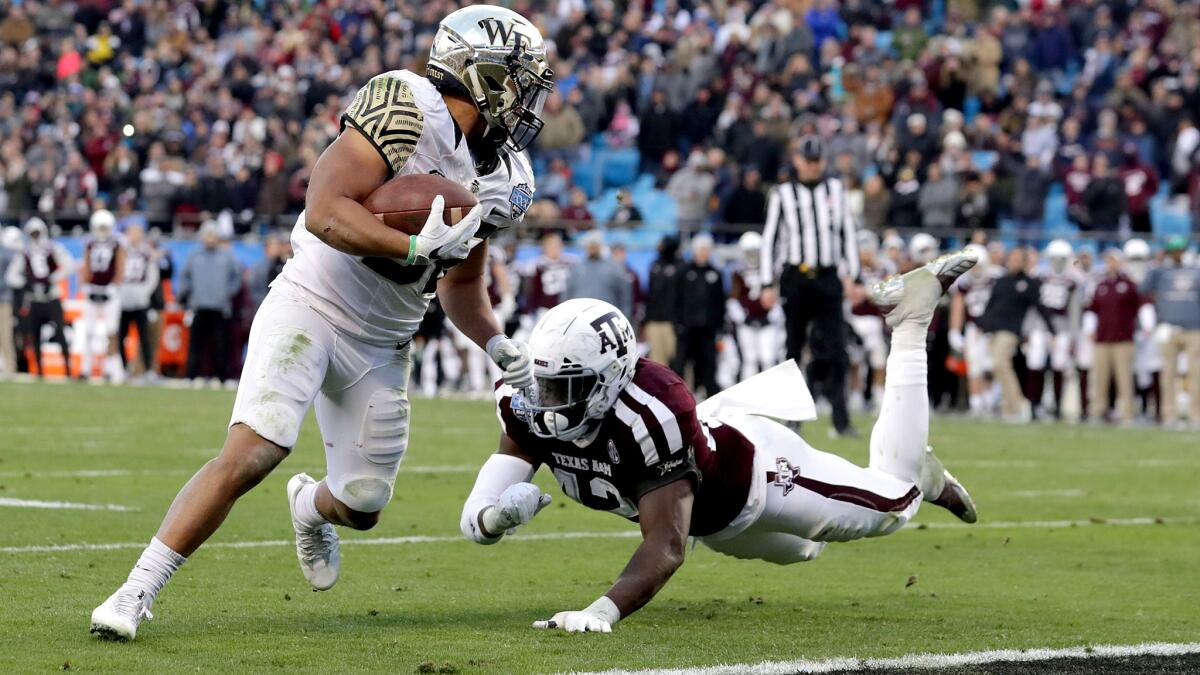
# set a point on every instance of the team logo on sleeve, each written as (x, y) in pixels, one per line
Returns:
(520, 199)
(613, 455)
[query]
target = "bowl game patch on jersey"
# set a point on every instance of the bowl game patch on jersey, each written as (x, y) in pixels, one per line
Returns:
(520, 199)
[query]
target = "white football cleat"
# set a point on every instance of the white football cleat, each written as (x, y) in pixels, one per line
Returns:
(119, 616)
(319, 551)
(915, 294)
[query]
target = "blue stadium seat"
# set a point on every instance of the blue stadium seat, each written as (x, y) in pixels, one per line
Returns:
(618, 168)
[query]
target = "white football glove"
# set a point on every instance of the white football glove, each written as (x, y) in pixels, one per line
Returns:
(514, 360)
(957, 341)
(439, 241)
(518, 504)
(598, 617)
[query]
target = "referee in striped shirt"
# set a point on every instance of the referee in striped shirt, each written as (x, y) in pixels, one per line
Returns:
(809, 246)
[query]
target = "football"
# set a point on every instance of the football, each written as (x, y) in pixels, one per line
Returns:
(403, 202)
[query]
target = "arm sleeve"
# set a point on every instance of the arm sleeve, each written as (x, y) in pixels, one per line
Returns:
(386, 113)
(66, 264)
(14, 276)
(770, 229)
(498, 473)
(850, 240)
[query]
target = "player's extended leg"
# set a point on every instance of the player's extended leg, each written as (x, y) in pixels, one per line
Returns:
(286, 364)
(365, 428)
(900, 436)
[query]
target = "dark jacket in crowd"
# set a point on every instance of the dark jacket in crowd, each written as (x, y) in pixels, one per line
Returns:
(662, 294)
(1012, 298)
(745, 206)
(1029, 195)
(1103, 203)
(701, 297)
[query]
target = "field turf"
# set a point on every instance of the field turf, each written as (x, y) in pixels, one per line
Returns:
(1088, 535)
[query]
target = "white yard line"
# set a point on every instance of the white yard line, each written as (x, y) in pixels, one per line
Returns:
(928, 661)
(617, 534)
(39, 504)
(1048, 493)
(117, 473)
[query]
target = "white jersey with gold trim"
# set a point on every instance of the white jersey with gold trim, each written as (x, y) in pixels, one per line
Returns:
(376, 299)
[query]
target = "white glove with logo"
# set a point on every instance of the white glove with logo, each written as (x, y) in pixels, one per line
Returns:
(518, 504)
(513, 358)
(599, 617)
(439, 241)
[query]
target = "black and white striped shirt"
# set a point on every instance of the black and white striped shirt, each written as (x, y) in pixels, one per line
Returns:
(809, 226)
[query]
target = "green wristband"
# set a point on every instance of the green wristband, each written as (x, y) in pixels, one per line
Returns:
(412, 250)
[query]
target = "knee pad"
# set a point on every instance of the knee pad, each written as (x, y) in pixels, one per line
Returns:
(384, 434)
(367, 494)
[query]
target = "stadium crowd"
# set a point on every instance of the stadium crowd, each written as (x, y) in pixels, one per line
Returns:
(944, 118)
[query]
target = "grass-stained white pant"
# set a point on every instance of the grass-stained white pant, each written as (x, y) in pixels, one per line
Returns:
(297, 357)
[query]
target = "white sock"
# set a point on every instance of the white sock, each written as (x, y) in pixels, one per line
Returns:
(908, 364)
(154, 569)
(306, 507)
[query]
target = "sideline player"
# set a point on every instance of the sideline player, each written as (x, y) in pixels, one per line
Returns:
(969, 301)
(624, 435)
(753, 308)
(1059, 294)
(38, 272)
(337, 325)
(102, 272)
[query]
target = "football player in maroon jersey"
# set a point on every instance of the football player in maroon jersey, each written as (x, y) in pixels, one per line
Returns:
(625, 435)
(101, 275)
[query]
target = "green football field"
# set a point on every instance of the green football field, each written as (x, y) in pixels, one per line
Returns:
(1088, 536)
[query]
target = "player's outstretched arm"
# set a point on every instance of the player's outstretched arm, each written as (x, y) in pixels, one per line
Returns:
(503, 498)
(464, 298)
(346, 174)
(665, 515)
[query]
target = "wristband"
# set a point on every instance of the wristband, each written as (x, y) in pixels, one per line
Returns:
(492, 342)
(605, 609)
(412, 250)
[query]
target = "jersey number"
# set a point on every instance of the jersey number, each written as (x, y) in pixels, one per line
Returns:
(405, 274)
(601, 489)
(99, 258)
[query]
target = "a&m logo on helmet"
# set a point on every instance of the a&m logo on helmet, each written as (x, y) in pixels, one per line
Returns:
(614, 334)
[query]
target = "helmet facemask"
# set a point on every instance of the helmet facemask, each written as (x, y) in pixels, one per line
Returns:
(561, 401)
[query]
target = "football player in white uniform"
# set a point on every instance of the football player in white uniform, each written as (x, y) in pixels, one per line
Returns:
(1059, 294)
(968, 303)
(337, 324)
(1147, 359)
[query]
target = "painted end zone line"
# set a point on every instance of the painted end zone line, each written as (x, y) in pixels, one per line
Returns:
(616, 534)
(928, 661)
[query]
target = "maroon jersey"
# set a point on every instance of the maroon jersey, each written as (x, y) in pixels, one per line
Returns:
(547, 282)
(746, 287)
(138, 260)
(868, 275)
(1141, 183)
(102, 260)
(1116, 302)
(1056, 291)
(976, 289)
(650, 438)
(41, 264)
